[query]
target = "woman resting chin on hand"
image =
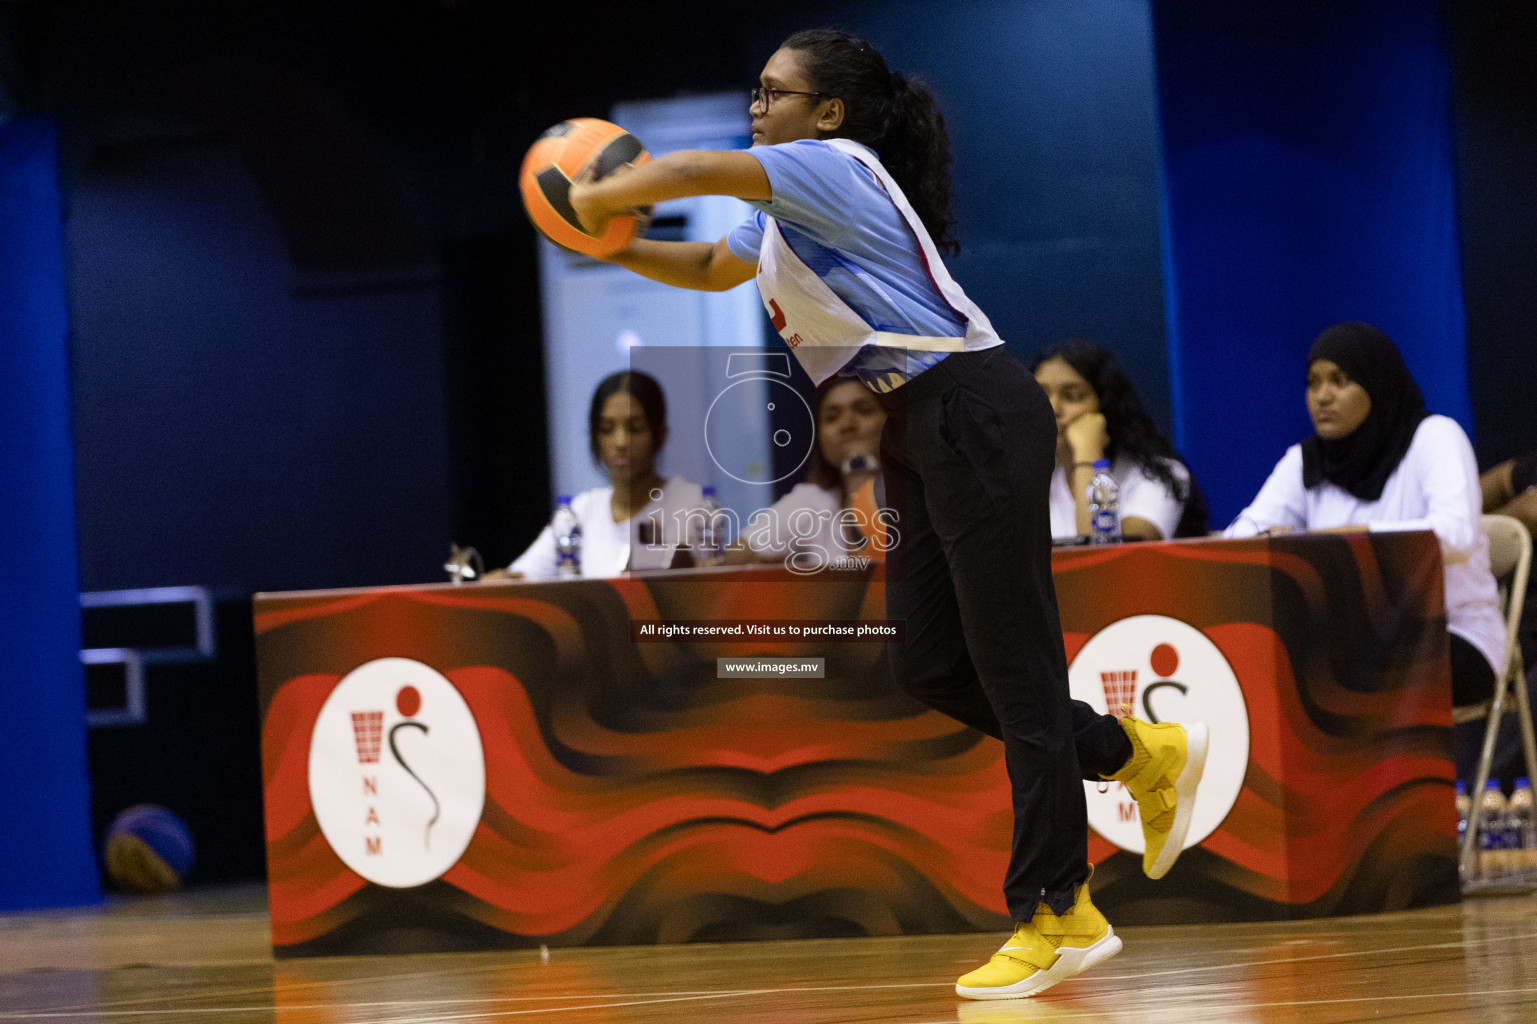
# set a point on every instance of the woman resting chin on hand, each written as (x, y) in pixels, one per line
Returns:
(1099, 416)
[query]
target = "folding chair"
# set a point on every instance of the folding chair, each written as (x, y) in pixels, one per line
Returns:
(1510, 559)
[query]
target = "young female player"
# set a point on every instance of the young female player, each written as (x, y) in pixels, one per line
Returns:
(849, 172)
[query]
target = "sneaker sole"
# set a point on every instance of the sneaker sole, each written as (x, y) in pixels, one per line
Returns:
(1070, 961)
(1184, 791)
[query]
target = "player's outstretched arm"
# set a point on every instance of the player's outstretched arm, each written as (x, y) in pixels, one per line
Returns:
(688, 172)
(703, 266)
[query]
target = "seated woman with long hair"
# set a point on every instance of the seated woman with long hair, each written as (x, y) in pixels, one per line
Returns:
(812, 522)
(1099, 416)
(627, 427)
(1378, 460)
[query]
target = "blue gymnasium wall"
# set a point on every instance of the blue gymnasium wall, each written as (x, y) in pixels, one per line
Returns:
(45, 847)
(1053, 121)
(234, 426)
(1308, 156)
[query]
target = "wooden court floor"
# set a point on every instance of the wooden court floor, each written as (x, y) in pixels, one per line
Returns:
(203, 956)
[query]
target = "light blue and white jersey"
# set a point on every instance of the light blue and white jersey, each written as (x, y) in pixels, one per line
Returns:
(839, 221)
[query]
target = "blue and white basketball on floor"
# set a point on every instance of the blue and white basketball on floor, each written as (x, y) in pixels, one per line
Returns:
(148, 850)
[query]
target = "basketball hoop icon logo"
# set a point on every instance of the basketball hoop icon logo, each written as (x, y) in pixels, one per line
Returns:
(1121, 686)
(396, 771)
(1163, 670)
(1120, 691)
(367, 728)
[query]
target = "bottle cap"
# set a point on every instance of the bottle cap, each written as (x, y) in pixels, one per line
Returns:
(563, 499)
(1101, 463)
(1462, 788)
(1493, 784)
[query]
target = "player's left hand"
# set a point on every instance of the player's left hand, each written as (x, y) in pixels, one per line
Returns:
(587, 203)
(586, 197)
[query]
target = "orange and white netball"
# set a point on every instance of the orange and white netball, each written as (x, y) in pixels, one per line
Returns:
(559, 157)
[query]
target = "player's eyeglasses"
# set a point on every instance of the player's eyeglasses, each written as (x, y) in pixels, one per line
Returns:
(764, 96)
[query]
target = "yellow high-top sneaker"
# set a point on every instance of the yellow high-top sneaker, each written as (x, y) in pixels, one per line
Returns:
(1162, 775)
(1043, 951)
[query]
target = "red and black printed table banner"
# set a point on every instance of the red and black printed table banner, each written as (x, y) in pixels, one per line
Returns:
(515, 764)
(1320, 664)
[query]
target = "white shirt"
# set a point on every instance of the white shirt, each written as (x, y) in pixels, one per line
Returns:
(1434, 487)
(1143, 496)
(605, 543)
(804, 520)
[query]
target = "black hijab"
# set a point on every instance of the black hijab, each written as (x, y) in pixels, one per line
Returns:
(1362, 461)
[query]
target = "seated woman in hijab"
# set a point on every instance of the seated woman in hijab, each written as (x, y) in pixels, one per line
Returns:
(1379, 461)
(1099, 416)
(627, 426)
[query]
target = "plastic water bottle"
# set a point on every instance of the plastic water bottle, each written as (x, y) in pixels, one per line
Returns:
(708, 540)
(1104, 505)
(1464, 808)
(568, 538)
(1493, 862)
(1522, 826)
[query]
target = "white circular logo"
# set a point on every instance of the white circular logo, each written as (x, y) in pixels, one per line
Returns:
(397, 775)
(1168, 671)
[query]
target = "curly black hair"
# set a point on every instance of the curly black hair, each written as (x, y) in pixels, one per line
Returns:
(1132, 431)
(892, 114)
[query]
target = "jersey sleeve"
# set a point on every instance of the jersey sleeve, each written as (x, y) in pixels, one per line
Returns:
(746, 239)
(815, 186)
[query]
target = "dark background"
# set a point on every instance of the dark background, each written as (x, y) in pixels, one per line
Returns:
(305, 327)
(1495, 79)
(305, 324)
(304, 315)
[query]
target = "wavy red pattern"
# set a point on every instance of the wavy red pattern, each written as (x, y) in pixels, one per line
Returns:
(588, 835)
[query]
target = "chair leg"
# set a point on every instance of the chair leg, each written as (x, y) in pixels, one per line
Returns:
(1523, 702)
(1485, 760)
(1528, 742)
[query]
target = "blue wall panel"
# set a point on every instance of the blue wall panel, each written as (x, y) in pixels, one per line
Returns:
(45, 846)
(1309, 178)
(239, 424)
